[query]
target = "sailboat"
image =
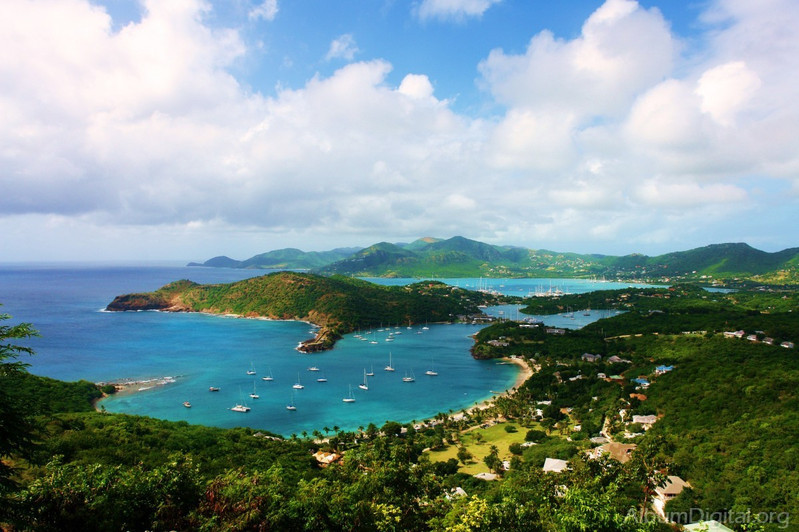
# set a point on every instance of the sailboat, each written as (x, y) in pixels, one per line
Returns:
(291, 405)
(251, 371)
(432, 372)
(241, 407)
(269, 376)
(298, 386)
(389, 367)
(254, 394)
(364, 386)
(409, 378)
(349, 398)
(371, 372)
(321, 378)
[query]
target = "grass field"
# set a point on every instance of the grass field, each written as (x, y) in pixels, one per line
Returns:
(480, 446)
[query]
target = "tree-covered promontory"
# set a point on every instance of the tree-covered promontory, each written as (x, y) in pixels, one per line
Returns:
(337, 304)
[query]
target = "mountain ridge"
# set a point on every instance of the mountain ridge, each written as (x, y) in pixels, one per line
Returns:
(462, 257)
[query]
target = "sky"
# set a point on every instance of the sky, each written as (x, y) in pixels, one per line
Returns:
(186, 129)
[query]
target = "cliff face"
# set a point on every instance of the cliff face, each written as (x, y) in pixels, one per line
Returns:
(137, 302)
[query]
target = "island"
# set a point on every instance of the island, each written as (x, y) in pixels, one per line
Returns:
(337, 304)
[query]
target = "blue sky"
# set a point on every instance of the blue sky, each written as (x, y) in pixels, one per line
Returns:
(185, 129)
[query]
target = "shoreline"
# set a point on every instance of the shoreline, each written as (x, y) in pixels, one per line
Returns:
(525, 372)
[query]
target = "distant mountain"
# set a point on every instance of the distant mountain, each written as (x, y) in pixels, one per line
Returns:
(282, 259)
(461, 257)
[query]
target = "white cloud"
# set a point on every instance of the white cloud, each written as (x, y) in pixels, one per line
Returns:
(622, 50)
(342, 47)
(267, 10)
(416, 86)
(725, 90)
(453, 9)
(607, 137)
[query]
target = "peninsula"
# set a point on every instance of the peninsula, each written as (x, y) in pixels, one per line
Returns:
(337, 304)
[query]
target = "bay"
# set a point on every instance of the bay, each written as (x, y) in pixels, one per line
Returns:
(65, 303)
(80, 341)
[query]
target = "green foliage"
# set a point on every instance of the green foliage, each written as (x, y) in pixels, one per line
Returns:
(535, 436)
(116, 439)
(96, 497)
(339, 304)
(15, 417)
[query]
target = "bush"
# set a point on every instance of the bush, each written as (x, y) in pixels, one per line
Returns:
(108, 389)
(535, 435)
(511, 429)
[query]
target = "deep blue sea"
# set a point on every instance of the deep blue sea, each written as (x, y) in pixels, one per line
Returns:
(80, 341)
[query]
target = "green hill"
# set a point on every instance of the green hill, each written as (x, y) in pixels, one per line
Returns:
(461, 257)
(337, 304)
(281, 259)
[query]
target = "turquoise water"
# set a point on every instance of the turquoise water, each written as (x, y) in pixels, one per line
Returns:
(227, 348)
(80, 341)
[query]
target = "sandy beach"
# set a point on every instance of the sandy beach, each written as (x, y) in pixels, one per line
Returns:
(524, 373)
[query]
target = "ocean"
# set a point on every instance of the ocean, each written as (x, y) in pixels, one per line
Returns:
(178, 357)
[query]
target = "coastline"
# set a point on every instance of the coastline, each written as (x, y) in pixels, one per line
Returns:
(525, 372)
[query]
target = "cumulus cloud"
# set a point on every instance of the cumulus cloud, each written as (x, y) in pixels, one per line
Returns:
(343, 47)
(267, 10)
(457, 10)
(608, 136)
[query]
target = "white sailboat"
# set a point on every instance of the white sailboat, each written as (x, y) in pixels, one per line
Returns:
(268, 376)
(321, 378)
(389, 367)
(241, 406)
(432, 371)
(409, 378)
(251, 371)
(365, 385)
(371, 372)
(254, 394)
(298, 385)
(291, 405)
(349, 398)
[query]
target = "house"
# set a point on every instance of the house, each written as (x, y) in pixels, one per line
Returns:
(325, 459)
(752, 338)
(639, 396)
(601, 376)
(588, 357)
(554, 465)
(640, 381)
(615, 359)
(673, 487)
(645, 421)
(455, 493)
(787, 345)
(618, 451)
(552, 330)
(486, 476)
(768, 340)
(660, 370)
(708, 526)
